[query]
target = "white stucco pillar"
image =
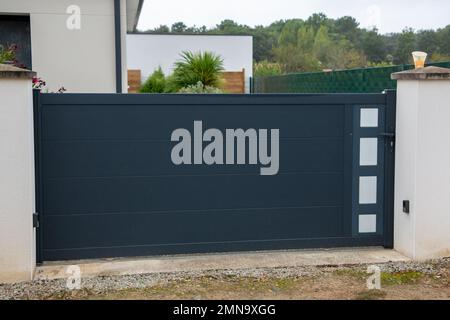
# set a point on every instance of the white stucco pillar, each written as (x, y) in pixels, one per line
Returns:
(422, 166)
(17, 236)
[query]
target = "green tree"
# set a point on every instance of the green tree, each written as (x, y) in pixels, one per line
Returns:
(231, 27)
(321, 42)
(373, 46)
(288, 35)
(443, 36)
(178, 27)
(306, 38)
(427, 40)
(344, 56)
(161, 29)
(322, 48)
(348, 28)
(263, 42)
(292, 59)
(406, 45)
(318, 20)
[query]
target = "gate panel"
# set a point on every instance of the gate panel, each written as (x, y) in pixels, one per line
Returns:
(109, 187)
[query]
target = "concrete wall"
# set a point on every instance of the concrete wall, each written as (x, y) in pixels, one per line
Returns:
(149, 51)
(80, 60)
(423, 168)
(17, 237)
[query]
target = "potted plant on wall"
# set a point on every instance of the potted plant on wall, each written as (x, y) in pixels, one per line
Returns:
(8, 54)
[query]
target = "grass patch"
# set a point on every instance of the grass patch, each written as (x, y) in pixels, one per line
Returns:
(399, 278)
(354, 273)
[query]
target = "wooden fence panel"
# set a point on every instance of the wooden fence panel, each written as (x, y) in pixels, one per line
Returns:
(233, 81)
(134, 81)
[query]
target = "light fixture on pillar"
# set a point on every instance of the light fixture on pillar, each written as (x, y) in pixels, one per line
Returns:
(419, 59)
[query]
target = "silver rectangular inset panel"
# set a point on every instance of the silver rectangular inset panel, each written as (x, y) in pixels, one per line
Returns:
(367, 223)
(369, 118)
(368, 190)
(368, 151)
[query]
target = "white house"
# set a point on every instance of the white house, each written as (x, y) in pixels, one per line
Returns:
(78, 44)
(147, 52)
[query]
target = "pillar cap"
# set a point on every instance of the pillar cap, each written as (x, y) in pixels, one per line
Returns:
(427, 73)
(9, 71)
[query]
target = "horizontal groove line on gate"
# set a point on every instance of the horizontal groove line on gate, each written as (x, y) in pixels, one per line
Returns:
(195, 175)
(375, 237)
(168, 140)
(191, 211)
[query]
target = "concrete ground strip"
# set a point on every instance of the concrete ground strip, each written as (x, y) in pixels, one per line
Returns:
(222, 261)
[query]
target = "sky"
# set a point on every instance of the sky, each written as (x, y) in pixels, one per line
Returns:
(386, 15)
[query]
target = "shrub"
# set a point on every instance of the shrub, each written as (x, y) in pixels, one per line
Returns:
(199, 88)
(156, 83)
(203, 67)
(171, 86)
(265, 69)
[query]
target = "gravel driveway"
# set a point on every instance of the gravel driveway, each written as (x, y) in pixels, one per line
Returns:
(399, 280)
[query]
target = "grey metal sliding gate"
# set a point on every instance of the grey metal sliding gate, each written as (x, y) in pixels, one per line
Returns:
(107, 185)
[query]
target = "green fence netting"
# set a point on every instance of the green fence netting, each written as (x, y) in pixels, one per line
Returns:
(365, 80)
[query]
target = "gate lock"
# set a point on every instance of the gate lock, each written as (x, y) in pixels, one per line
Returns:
(388, 136)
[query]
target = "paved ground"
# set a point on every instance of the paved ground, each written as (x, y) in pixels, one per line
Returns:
(400, 279)
(221, 261)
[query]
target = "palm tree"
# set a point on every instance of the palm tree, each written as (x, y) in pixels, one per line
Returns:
(205, 67)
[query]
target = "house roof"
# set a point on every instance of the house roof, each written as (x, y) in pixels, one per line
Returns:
(134, 8)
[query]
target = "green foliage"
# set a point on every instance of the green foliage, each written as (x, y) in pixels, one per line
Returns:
(171, 86)
(162, 29)
(380, 64)
(231, 27)
(204, 67)
(348, 28)
(266, 68)
(437, 57)
(178, 27)
(405, 45)
(372, 44)
(322, 45)
(7, 54)
(294, 60)
(306, 38)
(156, 83)
(199, 88)
(320, 42)
(399, 278)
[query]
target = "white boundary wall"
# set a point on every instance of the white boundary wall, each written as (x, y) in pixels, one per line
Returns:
(422, 168)
(17, 200)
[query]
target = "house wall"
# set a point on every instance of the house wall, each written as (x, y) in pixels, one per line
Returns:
(80, 60)
(149, 51)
